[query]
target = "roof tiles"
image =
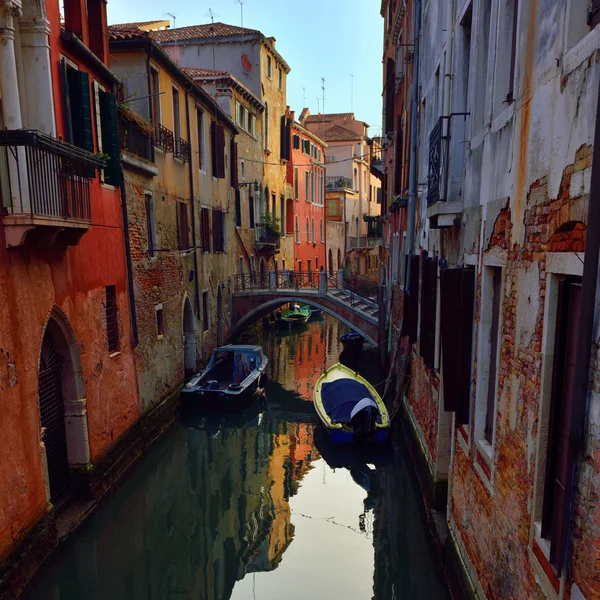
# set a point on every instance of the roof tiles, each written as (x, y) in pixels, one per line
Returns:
(207, 31)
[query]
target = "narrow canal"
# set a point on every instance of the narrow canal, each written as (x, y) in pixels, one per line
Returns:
(257, 505)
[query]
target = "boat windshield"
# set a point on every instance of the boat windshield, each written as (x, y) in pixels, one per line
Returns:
(238, 363)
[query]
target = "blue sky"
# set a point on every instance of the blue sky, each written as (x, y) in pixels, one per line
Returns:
(333, 39)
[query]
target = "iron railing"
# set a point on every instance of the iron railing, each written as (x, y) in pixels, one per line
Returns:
(335, 182)
(182, 150)
(164, 139)
(266, 237)
(134, 139)
(374, 227)
(43, 176)
(355, 242)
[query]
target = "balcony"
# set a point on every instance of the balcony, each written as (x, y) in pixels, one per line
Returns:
(356, 243)
(135, 135)
(267, 238)
(164, 138)
(182, 150)
(339, 183)
(45, 188)
(374, 230)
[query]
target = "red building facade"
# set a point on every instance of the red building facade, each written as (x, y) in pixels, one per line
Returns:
(67, 371)
(305, 211)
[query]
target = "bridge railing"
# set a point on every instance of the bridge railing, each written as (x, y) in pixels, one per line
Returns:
(352, 294)
(293, 280)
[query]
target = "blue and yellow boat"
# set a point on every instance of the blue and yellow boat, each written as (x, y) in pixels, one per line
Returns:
(350, 408)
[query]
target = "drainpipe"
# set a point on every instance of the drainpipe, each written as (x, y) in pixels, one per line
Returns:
(195, 245)
(414, 147)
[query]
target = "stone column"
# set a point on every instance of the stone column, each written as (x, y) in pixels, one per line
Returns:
(35, 50)
(322, 282)
(11, 110)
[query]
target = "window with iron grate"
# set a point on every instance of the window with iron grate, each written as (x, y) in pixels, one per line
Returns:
(112, 326)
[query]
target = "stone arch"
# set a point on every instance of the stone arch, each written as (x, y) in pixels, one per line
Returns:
(62, 404)
(339, 259)
(330, 262)
(189, 338)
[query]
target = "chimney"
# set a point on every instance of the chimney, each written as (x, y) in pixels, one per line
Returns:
(272, 41)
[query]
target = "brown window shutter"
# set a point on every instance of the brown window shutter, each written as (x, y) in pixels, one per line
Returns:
(220, 151)
(205, 224)
(213, 147)
(457, 300)
(234, 164)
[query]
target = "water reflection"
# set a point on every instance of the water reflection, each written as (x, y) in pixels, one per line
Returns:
(256, 505)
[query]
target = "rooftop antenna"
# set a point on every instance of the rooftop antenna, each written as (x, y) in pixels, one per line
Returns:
(174, 19)
(318, 109)
(242, 10)
(323, 88)
(212, 16)
(351, 93)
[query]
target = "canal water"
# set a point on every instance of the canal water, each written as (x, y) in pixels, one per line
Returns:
(257, 505)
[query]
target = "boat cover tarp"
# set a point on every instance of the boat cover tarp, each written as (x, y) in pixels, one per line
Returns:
(339, 398)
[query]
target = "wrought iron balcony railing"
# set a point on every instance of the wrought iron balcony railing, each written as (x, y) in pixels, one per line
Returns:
(164, 139)
(374, 227)
(334, 182)
(267, 238)
(43, 182)
(182, 150)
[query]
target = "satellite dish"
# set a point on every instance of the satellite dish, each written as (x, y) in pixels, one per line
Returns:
(246, 63)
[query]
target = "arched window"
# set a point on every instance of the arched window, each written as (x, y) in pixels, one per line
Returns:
(266, 128)
(297, 231)
(357, 228)
(321, 231)
(355, 179)
(339, 259)
(313, 230)
(307, 231)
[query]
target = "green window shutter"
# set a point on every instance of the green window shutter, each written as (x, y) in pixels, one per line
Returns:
(81, 113)
(66, 99)
(110, 137)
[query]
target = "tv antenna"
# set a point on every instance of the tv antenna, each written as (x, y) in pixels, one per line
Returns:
(211, 15)
(323, 88)
(318, 109)
(174, 19)
(241, 11)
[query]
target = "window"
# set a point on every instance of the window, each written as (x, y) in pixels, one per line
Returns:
(428, 311)
(321, 238)
(307, 231)
(243, 169)
(205, 229)
(218, 230)
(289, 217)
(252, 129)
(217, 140)
(478, 115)
(296, 182)
(233, 170)
(155, 96)
(296, 141)
(238, 208)
(285, 141)
(309, 268)
(333, 208)
(176, 116)
(200, 129)
(266, 127)
(251, 211)
(280, 78)
(559, 455)
(577, 14)
(112, 325)
(306, 186)
(150, 225)
(238, 113)
(297, 231)
(355, 179)
(205, 311)
(160, 323)
(183, 237)
(313, 231)
(505, 69)
(282, 212)
(269, 67)
(306, 146)
(312, 186)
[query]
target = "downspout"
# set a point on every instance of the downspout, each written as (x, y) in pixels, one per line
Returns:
(194, 244)
(414, 148)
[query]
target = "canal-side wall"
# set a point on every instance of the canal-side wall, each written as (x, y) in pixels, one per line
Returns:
(94, 485)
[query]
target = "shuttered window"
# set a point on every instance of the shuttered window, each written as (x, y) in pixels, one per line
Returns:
(217, 140)
(112, 326)
(296, 142)
(218, 230)
(110, 137)
(205, 229)
(234, 164)
(411, 302)
(183, 236)
(238, 208)
(457, 306)
(251, 211)
(285, 135)
(561, 458)
(428, 311)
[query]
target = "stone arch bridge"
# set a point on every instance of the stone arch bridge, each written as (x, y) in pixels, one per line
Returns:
(254, 297)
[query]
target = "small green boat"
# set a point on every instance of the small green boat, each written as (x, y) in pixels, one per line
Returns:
(295, 317)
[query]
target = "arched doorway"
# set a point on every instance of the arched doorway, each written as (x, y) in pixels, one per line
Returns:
(220, 317)
(339, 261)
(189, 337)
(62, 405)
(263, 274)
(330, 262)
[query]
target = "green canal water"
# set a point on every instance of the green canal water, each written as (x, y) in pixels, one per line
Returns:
(257, 505)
